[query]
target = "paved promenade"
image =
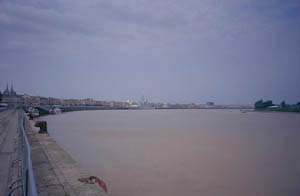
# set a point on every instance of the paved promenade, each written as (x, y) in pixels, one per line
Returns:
(8, 132)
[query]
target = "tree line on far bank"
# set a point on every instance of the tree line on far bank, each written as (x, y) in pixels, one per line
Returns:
(270, 106)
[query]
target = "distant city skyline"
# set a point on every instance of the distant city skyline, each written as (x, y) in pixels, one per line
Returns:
(227, 52)
(11, 92)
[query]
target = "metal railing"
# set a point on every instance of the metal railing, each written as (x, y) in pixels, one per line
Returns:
(26, 180)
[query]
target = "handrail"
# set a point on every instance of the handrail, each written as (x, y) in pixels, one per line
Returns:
(27, 179)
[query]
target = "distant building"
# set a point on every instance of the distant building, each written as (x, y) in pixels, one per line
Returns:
(191, 106)
(8, 92)
(89, 102)
(10, 97)
(29, 100)
(210, 103)
(55, 101)
(165, 105)
(44, 100)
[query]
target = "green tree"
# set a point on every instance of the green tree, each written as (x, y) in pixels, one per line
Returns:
(259, 104)
(0, 96)
(283, 105)
(268, 103)
(262, 105)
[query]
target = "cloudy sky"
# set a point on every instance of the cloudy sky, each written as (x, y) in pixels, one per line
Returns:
(179, 51)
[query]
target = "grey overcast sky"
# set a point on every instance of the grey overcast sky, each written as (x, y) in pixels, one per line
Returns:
(178, 51)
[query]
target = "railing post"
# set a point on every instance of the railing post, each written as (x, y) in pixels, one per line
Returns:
(26, 184)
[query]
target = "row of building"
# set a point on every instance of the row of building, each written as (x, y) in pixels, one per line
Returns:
(11, 98)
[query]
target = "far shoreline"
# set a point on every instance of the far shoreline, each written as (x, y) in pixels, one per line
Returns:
(43, 112)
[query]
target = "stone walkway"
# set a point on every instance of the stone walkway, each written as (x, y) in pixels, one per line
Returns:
(8, 134)
(56, 173)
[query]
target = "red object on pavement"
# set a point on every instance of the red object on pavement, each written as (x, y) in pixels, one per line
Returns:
(100, 182)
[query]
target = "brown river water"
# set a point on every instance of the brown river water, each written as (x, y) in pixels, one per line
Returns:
(185, 152)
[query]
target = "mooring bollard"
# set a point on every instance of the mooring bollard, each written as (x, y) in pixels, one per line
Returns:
(42, 125)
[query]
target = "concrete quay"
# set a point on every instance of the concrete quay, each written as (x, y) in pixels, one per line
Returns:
(56, 173)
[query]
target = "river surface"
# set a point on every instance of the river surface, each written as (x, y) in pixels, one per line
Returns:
(185, 152)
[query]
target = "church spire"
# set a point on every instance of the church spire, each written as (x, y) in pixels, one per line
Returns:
(12, 88)
(6, 92)
(12, 92)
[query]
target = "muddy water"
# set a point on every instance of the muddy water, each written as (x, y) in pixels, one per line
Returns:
(185, 152)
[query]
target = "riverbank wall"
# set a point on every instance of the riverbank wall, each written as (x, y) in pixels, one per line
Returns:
(55, 171)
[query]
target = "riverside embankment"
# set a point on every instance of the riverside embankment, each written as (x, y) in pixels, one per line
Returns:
(55, 171)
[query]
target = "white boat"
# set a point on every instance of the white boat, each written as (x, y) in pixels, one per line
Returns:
(55, 110)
